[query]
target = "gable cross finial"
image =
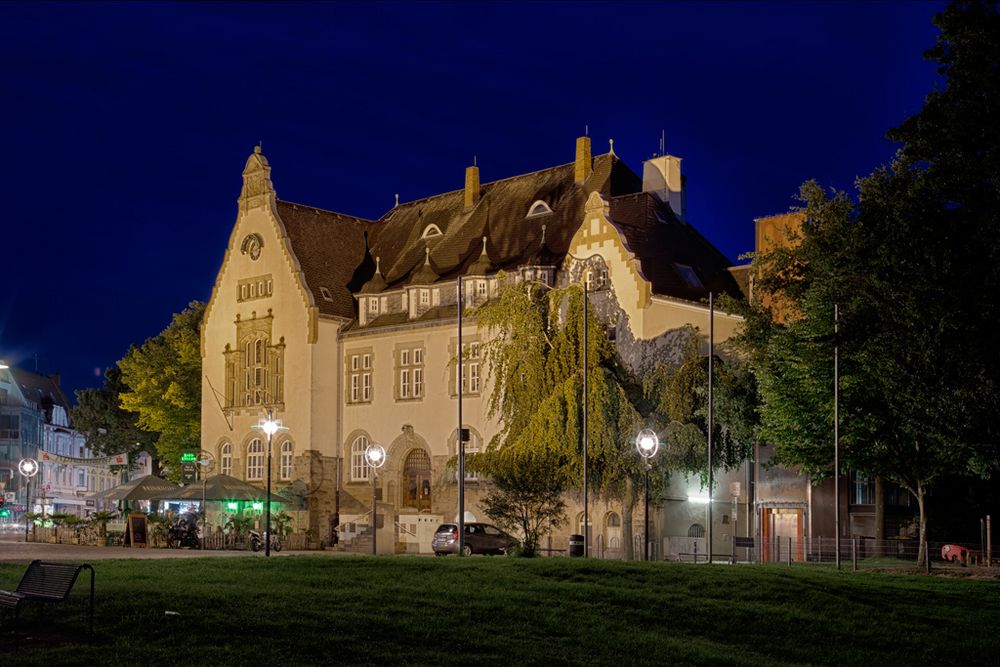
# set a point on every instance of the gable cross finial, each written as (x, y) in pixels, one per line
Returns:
(397, 199)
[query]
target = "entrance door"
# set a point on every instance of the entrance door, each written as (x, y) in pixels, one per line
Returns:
(777, 527)
(417, 480)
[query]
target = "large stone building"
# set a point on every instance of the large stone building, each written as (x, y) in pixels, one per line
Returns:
(347, 327)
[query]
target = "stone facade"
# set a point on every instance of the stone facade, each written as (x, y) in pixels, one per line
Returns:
(347, 328)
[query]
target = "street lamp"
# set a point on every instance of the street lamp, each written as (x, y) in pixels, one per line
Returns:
(270, 426)
(375, 456)
(647, 443)
(28, 469)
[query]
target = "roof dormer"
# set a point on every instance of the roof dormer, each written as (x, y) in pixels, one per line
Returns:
(537, 209)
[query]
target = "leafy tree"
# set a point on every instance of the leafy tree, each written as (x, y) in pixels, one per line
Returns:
(526, 498)
(914, 269)
(110, 429)
(164, 380)
(534, 352)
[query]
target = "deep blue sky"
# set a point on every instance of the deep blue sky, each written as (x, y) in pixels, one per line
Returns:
(126, 126)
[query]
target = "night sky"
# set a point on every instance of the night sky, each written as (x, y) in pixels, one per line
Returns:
(126, 126)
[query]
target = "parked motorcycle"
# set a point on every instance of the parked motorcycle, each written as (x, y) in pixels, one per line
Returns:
(181, 535)
(257, 541)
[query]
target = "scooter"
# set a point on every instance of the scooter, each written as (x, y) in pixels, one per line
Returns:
(257, 542)
(181, 536)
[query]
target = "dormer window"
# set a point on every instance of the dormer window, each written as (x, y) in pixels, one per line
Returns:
(325, 293)
(688, 275)
(538, 208)
(373, 306)
(430, 231)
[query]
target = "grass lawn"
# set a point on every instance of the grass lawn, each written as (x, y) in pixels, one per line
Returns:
(483, 611)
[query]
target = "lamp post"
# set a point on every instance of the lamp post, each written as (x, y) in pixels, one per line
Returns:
(647, 443)
(270, 426)
(28, 469)
(375, 456)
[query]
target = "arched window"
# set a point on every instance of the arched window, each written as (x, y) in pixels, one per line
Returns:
(226, 459)
(255, 460)
(538, 208)
(614, 521)
(285, 466)
(696, 530)
(359, 466)
(431, 230)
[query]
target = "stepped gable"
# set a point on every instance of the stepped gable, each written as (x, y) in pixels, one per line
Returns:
(330, 247)
(661, 242)
(500, 215)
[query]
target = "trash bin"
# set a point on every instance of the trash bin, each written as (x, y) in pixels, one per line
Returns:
(575, 546)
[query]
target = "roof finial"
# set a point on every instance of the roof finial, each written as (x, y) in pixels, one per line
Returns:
(474, 161)
(611, 146)
(484, 245)
(378, 262)
(397, 199)
(543, 234)
(427, 251)
(586, 130)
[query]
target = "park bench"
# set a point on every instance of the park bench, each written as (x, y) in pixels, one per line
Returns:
(46, 583)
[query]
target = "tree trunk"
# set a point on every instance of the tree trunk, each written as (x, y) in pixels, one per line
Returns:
(922, 555)
(628, 504)
(879, 516)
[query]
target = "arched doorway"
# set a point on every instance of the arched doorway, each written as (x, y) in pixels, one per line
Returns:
(416, 482)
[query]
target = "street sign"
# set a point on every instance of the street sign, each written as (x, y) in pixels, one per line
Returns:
(188, 472)
(189, 457)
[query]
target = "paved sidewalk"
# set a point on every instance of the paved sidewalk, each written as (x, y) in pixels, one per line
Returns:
(19, 552)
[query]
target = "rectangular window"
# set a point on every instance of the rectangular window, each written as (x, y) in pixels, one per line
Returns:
(359, 376)
(418, 382)
(425, 297)
(354, 389)
(373, 306)
(481, 288)
(354, 362)
(404, 383)
(418, 356)
(366, 387)
(366, 361)
(404, 358)
(469, 376)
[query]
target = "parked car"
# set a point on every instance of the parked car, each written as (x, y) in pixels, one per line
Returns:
(480, 538)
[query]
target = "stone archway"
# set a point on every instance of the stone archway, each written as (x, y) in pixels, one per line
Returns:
(415, 480)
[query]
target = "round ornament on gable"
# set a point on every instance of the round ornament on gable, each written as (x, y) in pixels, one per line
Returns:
(251, 245)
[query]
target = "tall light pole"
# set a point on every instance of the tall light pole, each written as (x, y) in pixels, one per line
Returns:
(270, 426)
(586, 401)
(375, 456)
(28, 469)
(647, 443)
(459, 389)
(836, 432)
(711, 359)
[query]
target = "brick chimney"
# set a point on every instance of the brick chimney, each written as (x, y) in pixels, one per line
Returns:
(584, 165)
(471, 186)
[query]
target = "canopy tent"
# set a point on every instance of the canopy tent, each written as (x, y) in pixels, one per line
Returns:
(149, 487)
(221, 487)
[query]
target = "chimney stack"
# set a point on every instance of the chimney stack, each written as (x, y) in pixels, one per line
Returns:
(471, 186)
(583, 161)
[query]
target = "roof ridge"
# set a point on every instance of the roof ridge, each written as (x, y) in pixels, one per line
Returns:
(499, 180)
(326, 210)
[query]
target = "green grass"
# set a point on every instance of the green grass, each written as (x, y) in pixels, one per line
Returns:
(480, 611)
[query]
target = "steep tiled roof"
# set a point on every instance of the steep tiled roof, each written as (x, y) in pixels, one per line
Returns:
(337, 251)
(500, 215)
(42, 389)
(668, 249)
(330, 247)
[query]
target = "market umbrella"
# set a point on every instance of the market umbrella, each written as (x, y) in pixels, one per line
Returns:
(222, 487)
(149, 487)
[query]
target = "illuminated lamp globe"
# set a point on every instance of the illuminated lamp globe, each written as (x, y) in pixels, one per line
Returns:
(647, 443)
(375, 455)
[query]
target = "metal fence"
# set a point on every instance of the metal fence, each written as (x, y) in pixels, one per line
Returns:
(860, 553)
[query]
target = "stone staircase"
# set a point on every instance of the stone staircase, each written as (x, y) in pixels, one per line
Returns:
(360, 544)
